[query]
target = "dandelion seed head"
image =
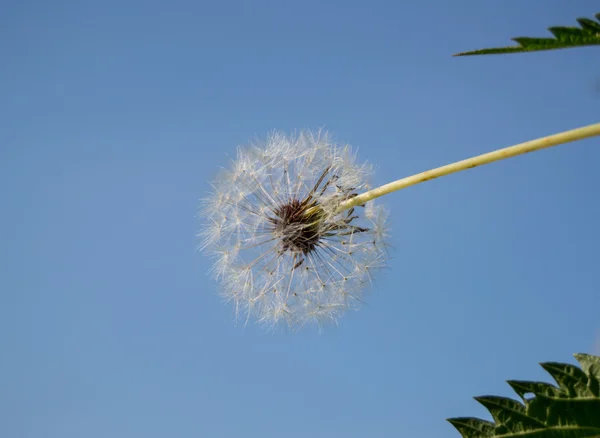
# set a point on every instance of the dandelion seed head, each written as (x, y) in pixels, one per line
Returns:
(283, 251)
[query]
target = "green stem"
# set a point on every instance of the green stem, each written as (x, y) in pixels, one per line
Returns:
(469, 163)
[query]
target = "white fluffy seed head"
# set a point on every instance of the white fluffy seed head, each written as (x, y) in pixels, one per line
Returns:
(281, 250)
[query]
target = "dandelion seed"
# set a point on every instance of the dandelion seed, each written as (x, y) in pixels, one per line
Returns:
(283, 252)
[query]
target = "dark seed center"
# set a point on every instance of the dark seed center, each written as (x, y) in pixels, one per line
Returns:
(298, 231)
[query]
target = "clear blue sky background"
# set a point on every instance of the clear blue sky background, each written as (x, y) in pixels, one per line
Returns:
(115, 114)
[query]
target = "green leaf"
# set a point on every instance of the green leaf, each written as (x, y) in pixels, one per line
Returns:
(564, 38)
(540, 388)
(470, 427)
(569, 410)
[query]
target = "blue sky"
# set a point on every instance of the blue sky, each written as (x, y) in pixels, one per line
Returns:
(116, 114)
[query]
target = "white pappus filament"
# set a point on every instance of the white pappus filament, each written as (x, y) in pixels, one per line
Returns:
(283, 252)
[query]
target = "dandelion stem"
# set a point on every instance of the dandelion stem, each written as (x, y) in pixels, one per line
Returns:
(469, 163)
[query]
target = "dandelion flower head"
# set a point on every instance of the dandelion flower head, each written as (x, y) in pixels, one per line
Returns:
(283, 250)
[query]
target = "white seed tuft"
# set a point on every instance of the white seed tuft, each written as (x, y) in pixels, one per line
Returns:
(282, 251)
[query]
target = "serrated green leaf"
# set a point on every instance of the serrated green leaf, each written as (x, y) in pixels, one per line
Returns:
(570, 379)
(496, 51)
(509, 413)
(568, 33)
(523, 387)
(564, 38)
(590, 25)
(470, 427)
(571, 410)
(591, 366)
